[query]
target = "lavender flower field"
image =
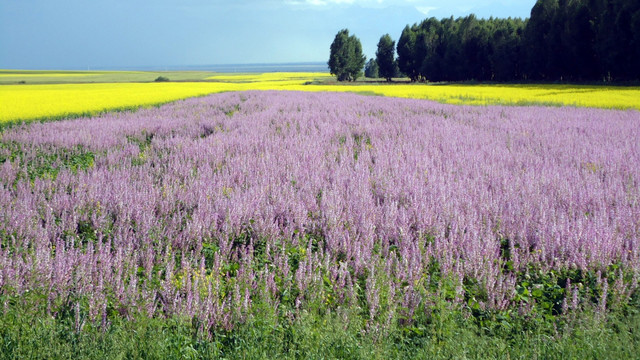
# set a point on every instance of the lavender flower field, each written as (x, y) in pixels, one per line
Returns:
(222, 207)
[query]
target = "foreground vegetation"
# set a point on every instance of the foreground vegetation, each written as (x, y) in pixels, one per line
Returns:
(27, 333)
(47, 101)
(267, 224)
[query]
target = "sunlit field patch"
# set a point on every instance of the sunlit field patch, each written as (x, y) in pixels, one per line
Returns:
(273, 205)
(279, 77)
(5, 75)
(33, 77)
(19, 102)
(609, 97)
(46, 101)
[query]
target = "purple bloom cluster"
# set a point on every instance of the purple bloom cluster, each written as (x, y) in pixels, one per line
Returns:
(207, 206)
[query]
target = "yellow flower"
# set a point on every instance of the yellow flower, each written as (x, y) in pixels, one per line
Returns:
(27, 102)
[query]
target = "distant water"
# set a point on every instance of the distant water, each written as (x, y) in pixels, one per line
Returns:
(239, 68)
(285, 67)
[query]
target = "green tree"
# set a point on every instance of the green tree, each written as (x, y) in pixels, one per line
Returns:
(346, 59)
(577, 39)
(451, 49)
(475, 35)
(406, 53)
(539, 40)
(371, 69)
(385, 57)
(567, 40)
(427, 45)
(506, 56)
(619, 39)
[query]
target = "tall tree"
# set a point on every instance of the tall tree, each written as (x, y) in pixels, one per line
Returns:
(538, 39)
(385, 57)
(626, 24)
(475, 38)
(506, 55)
(427, 46)
(578, 40)
(452, 56)
(406, 53)
(371, 69)
(567, 40)
(634, 10)
(346, 59)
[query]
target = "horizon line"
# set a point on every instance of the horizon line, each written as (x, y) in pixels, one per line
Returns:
(193, 67)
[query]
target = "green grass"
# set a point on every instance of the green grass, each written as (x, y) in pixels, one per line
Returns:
(25, 334)
(29, 329)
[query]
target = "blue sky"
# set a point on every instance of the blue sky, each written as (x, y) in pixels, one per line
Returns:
(76, 34)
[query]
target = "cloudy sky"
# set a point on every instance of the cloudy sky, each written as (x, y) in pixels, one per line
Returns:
(76, 34)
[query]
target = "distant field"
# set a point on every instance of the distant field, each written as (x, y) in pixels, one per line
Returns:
(555, 95)
(610, 97)
(61, 94)
(8, 77)
(292, 78)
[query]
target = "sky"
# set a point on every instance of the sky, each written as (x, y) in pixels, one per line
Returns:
(84, 34)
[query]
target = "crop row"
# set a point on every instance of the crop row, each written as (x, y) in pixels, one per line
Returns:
(223, 206)
(54, 101)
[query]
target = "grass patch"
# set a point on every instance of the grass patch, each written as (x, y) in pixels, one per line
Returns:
(26, 332)
(45, 164)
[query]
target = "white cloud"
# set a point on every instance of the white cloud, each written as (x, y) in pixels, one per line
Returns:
(421, 5)
(365, 3)
(320, 2)
(426, 9)
(465, 9)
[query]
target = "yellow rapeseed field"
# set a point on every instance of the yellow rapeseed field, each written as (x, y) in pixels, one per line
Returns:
(27, 102)
(294, 78)
(608, 97)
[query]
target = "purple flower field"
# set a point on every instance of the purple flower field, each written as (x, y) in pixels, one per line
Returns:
(211, 206)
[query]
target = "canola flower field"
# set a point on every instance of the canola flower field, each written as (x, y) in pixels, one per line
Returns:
(24, 102)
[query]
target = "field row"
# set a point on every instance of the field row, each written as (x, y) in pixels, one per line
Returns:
(218, 207)
(46, 101)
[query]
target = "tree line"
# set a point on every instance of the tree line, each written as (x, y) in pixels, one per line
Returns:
(566, 40)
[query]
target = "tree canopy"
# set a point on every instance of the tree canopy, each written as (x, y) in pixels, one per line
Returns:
(371, 69)
(566, 40)
(563, 40)
(385, 57)
(346, 59)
